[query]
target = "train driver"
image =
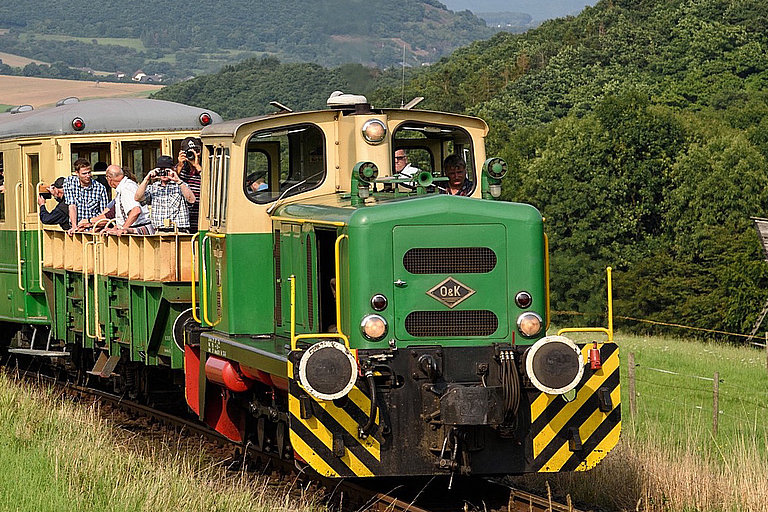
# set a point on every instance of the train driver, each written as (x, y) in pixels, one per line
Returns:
(455, 168)
(403, 168)
(86, 198)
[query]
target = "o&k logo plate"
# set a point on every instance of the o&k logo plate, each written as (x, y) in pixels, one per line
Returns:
(450, 292)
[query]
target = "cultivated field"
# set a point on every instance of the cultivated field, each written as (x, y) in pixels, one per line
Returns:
(40, 92)
(17, 61)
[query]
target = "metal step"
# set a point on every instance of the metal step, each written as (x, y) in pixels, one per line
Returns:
(105, 366)
(36, 352)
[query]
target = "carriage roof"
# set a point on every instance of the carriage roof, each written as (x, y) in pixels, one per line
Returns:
(113, 115)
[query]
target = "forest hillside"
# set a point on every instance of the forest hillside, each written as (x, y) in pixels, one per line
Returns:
(639, 128)
(180, 38)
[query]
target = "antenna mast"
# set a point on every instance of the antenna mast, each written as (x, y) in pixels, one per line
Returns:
(402, 90)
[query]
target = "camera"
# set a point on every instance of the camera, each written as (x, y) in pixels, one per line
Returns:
(161, 172)
(44, 191)
(191, 153)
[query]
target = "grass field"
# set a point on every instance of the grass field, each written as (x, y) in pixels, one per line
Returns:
(128, 42)
(17, 61)
(39, 92)
(668, 457)
(58, 456)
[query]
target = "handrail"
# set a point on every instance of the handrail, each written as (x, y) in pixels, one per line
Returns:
(193, 279)
(609, 331)
(39, 240)
(96, 262)
(85, 288)
(608, 271)
(546, 279)
(338, 334)
(204, 280)
(337, 262)
(19, 213)
(107, 225)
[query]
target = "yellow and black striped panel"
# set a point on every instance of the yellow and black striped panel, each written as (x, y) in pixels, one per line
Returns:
(313, 438)
(554, 421)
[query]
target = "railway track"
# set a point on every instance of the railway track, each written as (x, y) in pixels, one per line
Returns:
(426, 495)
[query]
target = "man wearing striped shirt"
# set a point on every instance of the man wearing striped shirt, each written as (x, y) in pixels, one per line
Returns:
(86, 198)
(189, 170)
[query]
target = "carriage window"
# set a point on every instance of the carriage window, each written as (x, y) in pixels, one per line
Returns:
(33, 175)
(289, 160)
(141, 156)
(427, 146)
(2, 190)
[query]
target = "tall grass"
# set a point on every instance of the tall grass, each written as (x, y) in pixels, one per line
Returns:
(668, 457)
(58, 456)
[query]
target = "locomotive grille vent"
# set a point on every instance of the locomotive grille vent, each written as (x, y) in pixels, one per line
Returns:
(449, 260)
(451, 323)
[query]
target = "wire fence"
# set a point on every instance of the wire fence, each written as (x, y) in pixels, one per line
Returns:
(728, 400)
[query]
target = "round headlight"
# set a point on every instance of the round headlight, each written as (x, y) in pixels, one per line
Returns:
(554, 365)
(523, 300)
(374, 131)
(379, 302)
(373, 327)
(529, 324)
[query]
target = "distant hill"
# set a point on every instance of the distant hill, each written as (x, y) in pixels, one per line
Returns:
(181, 37)
(538, 10)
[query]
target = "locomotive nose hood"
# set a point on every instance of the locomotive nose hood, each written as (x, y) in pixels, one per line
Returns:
(454, 262)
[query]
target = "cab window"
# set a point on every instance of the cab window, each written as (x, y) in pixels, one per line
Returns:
(288, 161)
(426, 146)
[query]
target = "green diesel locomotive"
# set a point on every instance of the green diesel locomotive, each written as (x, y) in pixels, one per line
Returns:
(334, 306)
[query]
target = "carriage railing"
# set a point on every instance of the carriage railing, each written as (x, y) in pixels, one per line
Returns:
(161, 257)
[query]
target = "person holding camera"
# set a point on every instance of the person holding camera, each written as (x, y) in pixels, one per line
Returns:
(60, 214)
(190, 169)
(169, 196)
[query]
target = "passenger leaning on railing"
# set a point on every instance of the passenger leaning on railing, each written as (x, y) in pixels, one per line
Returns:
(168, 196)
(130, 217)
(86, 198)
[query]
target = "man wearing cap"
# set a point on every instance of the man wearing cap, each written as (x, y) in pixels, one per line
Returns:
(60, 214)
(169, 196)
(86, 198)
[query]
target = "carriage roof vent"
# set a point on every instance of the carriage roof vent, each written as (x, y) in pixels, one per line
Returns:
(67, 101)
(341, 101)
(22, 108)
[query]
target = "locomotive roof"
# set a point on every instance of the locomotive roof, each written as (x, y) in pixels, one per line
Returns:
(104, 116)
(229, 128)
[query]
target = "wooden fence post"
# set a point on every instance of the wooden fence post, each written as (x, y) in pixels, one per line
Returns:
(715, 402)
(631, 374)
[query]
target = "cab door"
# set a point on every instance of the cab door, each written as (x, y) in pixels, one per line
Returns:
(213, 246)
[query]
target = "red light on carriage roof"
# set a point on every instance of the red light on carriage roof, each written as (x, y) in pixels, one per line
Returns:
(78, 124)
(205, 119)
